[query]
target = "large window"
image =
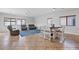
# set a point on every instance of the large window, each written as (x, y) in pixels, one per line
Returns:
(49, 21)
(68, 20)
(6, 21)
(9, 21)
(23, 22)
(71, 21)
(63, 20)
(14, 21)
(18, 22)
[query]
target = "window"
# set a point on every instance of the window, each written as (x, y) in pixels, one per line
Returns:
(68, 20)
(71, 21)
(18, 22)
(49, 21)
(23, 22)
(13, 21)
(6, 21)
(63, 20)
(9, 21)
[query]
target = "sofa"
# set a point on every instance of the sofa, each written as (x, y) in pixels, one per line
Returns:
(23, 27)
(32, 27)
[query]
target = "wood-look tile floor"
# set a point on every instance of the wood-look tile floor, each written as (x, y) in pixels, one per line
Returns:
(35, 42)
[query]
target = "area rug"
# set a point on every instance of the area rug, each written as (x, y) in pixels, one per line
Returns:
(29, 32)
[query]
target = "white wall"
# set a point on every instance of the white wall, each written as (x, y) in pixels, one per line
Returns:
(42, 20)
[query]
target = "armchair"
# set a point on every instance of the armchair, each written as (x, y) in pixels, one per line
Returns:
(13, 32)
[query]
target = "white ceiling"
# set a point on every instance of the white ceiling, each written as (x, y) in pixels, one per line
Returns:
(32, 12)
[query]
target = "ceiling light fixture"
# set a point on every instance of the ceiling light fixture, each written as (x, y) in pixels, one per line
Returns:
(53, 9)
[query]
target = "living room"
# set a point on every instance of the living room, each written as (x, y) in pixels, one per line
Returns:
(19, 26)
